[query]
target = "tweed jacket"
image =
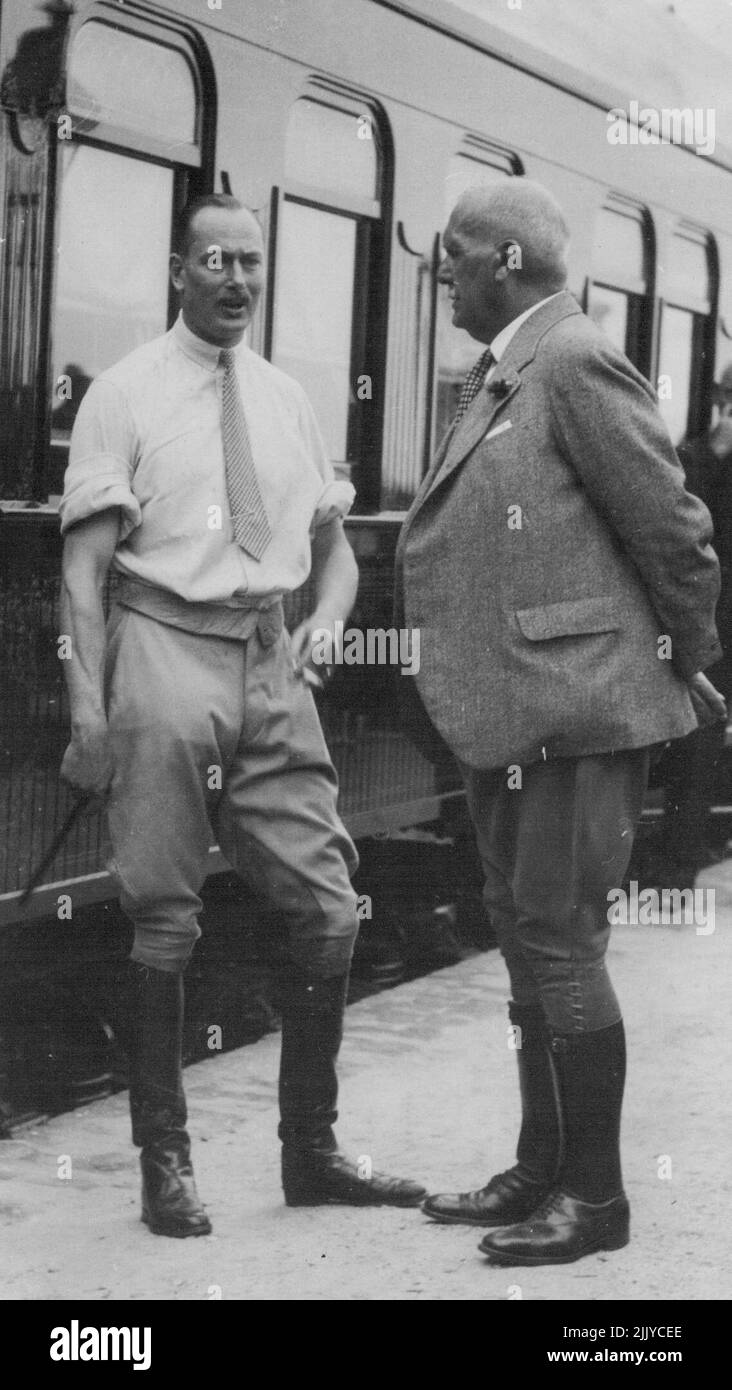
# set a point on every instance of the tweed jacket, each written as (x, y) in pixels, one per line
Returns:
(559, 572)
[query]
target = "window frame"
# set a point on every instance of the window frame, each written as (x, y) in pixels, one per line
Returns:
(481, 150)
(192, 167)
(370, 295)
(703, 312)
(105, 132)
(639, 294)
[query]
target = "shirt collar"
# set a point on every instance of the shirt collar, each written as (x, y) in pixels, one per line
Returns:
(502, 339)
(205, 354)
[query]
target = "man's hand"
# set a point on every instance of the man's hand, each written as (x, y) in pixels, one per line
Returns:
(335, 581)
(307, 636)
(87, 763)
(709, 705)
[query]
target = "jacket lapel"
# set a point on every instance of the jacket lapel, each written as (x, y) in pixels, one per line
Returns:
(505, 382)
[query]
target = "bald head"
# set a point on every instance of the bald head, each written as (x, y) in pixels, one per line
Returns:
(505, 250)
(526, 214)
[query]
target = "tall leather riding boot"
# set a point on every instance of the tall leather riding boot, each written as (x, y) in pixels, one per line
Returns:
(313, 1170)
(539, 1141)
(170, 1203)
(515, 1194)
(587, 1209)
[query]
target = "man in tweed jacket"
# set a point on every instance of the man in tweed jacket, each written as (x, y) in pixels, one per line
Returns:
(564, 586)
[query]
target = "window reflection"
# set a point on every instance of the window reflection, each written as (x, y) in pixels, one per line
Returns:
(314, 315)
(112, 280)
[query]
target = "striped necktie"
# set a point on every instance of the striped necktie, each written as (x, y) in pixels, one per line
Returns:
(473, 383)
(251, 526)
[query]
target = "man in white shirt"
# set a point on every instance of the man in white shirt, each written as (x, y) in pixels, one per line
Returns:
(198, 477)
(564, 588)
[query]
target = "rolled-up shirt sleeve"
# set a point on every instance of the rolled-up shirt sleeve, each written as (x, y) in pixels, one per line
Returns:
(336, 496)
(102, 458)
(335, 500)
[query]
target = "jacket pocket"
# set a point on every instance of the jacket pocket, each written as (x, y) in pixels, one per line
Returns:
(571, 619)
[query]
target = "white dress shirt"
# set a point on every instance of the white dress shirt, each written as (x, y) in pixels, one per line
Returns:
(147, 439)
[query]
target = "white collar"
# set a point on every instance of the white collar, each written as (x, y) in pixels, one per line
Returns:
(501, 341)
(205, 354)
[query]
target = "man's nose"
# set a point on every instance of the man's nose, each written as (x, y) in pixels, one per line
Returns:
(237, 273)
(444, 274)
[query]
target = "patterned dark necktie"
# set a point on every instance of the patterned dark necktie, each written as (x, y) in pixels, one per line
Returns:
(251, 526)
(473, 383)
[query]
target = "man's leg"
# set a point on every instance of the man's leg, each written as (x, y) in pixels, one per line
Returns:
(171, 697)
(170, 1202)
(514, 1194)
(577, 821)
(278, 825)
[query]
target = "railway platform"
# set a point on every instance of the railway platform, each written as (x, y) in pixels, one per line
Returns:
(428, 1090)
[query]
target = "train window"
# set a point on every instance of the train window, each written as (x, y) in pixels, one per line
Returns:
(321, 147)
(327, 328)
(676, 364)
(609, 310)
(689, 279)
(135, 111)
(686, 352)
(113, 245)
(456, 351)
(620, 295)
(123, 79)
(314, 320)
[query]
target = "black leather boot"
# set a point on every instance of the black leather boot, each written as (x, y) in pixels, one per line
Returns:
(313, 1170)
(515, 1194)
(587, 1209)
(170, 1203)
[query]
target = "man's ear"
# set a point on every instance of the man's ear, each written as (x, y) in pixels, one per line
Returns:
(508, 258)
(500, 260)
(175, 267)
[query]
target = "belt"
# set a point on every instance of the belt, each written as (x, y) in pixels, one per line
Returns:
(265, 616)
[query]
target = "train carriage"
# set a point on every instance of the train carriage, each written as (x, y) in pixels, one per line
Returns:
(350, 129)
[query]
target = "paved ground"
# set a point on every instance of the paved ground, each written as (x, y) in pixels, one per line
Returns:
(428, 1089)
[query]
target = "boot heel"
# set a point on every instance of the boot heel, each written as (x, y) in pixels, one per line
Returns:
(618, 1238)
(616, 1232)
(301, 1199)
